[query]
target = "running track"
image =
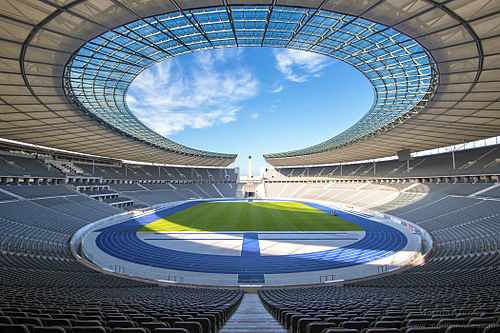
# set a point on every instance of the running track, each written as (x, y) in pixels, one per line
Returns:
(121, 241)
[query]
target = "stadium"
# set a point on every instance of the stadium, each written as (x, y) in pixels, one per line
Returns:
(390, 226)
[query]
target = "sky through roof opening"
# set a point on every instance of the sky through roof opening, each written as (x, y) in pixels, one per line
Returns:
(250, 101)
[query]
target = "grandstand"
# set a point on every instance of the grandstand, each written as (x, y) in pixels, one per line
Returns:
(73, 155)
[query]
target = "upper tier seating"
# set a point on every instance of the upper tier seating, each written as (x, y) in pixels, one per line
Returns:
(38, 191)
(144, 172)
(479, 161)
(495, 193)
(25, 166)
(154, 194)
(5, 196)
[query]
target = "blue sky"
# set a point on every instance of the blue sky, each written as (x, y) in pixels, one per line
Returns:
(250, 101)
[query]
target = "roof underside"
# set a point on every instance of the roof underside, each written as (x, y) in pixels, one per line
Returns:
(38, 39)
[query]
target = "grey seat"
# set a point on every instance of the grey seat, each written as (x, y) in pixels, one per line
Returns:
(387, 324)
(88, 329)
(13, 328)
(52, 329)
(318, 327)
(381, 330)
(492, 329)
(358, 325)
(191, 326)
(422, 330)
(121, 323)
(151, 325)
(460, 329)
(130, 330)
(340, 330)
(171, 330)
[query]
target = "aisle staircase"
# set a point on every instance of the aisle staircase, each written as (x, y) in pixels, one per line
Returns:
(252, 317)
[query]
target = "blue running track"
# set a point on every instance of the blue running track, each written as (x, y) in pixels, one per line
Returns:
(121, 241)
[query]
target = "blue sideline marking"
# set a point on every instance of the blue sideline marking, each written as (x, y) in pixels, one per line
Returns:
(237, 239)
(261, 232)
(250, 245)
(306, 239)
(191, 239)
(250, 248)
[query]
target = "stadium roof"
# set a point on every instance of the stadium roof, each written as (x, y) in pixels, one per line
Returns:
(66, 66)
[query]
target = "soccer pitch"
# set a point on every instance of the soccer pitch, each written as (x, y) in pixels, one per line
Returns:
(250, 216)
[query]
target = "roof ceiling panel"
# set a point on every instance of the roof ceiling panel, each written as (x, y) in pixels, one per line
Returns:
(492, 114)
(447, 37)
(14, 90)
(200, 3)
(447, 118)
(395, 11)
(491, 45)
(31, 11)
(454, 87)
(10, 49)
(43, 91)
(60, 2)
(54, 41)
(103, 12)
(146, 8)
(460, 77)
(9, 65)
(488, 86)
(16, 99)
(480, 120)
(43, 69)
(492, 61)
(12, 30)
(461, 112)
(470, 10)
(487, 26)
(30, 108)
(494, 105)
(449, 96)
(46, 81)
(428, 22)
(71, 24)
(482, 96)
(38, 54)
(10, 78)
(466, 65)
(463, 51)
(13, 116)
(351, 7)
(472, 104)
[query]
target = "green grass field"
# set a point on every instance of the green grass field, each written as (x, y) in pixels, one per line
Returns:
(250, 216)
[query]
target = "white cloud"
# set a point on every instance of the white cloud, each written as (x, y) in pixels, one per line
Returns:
(170, 98)
(298, 66)
(254, 115)
(277, 88)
